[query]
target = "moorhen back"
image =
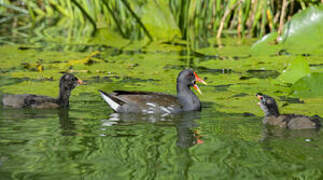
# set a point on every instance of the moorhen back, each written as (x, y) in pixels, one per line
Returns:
(290, 121)
(153, 102)
(67, 83)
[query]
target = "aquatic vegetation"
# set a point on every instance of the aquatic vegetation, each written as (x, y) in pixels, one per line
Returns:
(155, 67)
(76, 20)
(300, 36)
(296, 69)
(225, 140)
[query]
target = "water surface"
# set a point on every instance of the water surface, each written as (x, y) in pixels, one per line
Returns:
(225, 141)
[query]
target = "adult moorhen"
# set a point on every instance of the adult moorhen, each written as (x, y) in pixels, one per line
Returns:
(290, 121)
(67, 83)
(153, 102)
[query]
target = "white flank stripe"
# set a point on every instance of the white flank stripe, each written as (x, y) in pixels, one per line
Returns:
(111, 103)
(165, 109)
(151, 104)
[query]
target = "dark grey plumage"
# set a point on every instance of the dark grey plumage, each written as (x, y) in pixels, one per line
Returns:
(290, 121)
(67, 83)
(152, 102)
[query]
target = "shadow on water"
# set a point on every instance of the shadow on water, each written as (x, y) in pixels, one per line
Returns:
(7, 81)
(290, 100)
(120, 80)
(260, 74)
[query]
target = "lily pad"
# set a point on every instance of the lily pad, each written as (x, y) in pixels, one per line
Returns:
(309, 86)
(297, 69)
(266, 45)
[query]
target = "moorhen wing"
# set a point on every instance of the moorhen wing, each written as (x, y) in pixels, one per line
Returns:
(153, 102)
(290, 121)
(67, 83)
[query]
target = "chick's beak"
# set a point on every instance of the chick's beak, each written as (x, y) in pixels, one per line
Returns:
(259, 97)
(80, 82)
(199, 79)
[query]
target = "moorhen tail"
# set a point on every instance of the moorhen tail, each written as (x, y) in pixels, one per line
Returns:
(67, 83)
(153, 102)
(290, 121)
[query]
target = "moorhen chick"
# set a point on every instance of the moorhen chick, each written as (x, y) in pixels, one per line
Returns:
(67, 83)
(153, 102)
(290, 121)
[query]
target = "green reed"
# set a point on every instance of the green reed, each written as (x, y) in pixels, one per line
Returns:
(195, 19)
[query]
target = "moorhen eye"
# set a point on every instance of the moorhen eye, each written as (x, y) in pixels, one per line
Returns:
(154, 102)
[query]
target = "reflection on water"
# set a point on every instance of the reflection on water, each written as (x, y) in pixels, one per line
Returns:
(74, 143)
(185, 128)
(307, 135)
(67, 125)
(185, 124)
(19, 115)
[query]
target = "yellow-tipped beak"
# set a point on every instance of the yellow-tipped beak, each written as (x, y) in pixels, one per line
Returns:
(197, 89)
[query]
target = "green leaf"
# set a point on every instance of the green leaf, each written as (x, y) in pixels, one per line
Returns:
(309, 86)
(266, 45)
(304, 31)
(301, 35)
(297, 69)
(158, 19)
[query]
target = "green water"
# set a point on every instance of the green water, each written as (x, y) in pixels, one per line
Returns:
(225, 141)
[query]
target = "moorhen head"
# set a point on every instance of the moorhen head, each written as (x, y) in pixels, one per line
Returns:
(290, 121)
(67, 83)
(268, 105)
(153, 102)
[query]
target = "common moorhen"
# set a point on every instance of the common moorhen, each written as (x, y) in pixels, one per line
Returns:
(67, 83)
(290, 121)
(153, 102)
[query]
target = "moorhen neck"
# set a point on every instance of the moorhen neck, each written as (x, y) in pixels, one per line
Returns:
(290, 121)
(152, 102)
(67, 83)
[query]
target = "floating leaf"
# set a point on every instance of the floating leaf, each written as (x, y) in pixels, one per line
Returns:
(309, 86)
(297, 69)
(33, 67)
(86, 60)
(266, 45)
